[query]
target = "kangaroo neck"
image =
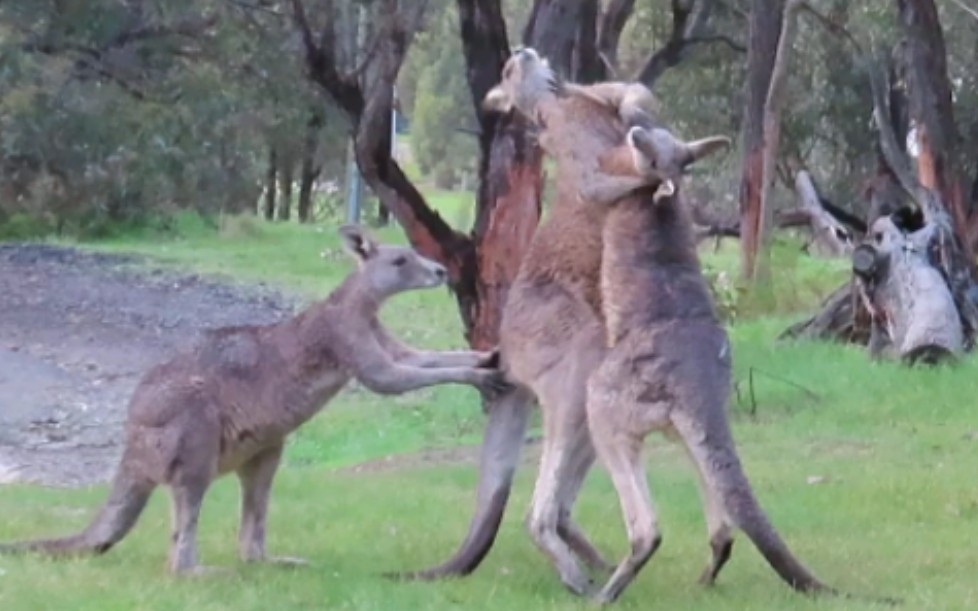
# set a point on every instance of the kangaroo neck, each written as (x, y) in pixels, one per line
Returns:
(356, 295)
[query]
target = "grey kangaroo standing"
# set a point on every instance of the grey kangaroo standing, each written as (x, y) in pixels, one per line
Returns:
(228, 405)
(668, 369)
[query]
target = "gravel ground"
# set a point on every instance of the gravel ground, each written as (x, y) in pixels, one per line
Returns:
(77, 330)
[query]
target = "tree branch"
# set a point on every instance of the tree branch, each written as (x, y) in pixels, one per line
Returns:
(964, 7)
(711, 38)
(321, 62)
(610, 27)
(890, 147)
(689, 18)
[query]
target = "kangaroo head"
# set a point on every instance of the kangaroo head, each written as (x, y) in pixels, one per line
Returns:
(527, 79)
(657, 153)
(387, 270)
(886, 236)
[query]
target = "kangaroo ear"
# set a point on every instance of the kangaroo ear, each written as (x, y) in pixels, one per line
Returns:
(358, 242)
(497, 101)
(698, 149)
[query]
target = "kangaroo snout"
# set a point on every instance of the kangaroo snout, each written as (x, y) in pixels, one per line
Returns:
(439, 275)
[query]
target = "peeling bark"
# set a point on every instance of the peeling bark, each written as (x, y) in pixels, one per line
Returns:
(932, 109)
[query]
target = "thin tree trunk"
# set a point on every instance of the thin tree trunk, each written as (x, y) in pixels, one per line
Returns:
(765, 31)
(310, 169)
(271, 186)
(383, 212)
(286, 177)
(773, 105)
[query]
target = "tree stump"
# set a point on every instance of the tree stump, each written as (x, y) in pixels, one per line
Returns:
(913, 314)
(912, 296)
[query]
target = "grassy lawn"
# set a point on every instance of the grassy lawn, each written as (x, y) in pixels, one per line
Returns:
(868, 470)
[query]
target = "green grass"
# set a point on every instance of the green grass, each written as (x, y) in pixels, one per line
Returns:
(896, 513)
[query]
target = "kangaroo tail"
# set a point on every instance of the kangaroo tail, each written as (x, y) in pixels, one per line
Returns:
(501, 445)
(113, 522)
(746, 514)
(712, 447)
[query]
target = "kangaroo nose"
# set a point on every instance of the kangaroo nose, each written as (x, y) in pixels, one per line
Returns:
(441, 272)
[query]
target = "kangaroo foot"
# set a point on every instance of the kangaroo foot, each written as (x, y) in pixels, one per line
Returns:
(721, 550)
(580, 585)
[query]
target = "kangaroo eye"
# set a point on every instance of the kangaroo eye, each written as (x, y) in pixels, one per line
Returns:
(400, 261)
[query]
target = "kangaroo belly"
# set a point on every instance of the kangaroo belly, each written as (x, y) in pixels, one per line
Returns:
(263, 418)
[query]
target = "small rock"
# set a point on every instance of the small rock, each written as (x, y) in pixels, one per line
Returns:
(816, 479)
(972, 436)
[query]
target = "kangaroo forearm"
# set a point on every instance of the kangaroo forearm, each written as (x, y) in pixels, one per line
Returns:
(605, 189)
(403, 378)
(447, 358)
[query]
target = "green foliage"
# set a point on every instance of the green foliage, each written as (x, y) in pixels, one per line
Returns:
(116, 114)
(798, 281)
(21, 226)
(724, 291)
(436, 94)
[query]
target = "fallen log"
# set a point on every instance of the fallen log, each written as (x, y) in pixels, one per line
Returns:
(913, 314)
(912, 295)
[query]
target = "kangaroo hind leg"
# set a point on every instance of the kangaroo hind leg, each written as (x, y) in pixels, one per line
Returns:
(620, 450)
(568, 489)
(256, 477)
(543, 519)
(718, 526)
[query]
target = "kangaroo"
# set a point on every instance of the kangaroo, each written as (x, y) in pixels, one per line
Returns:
(668, 369)
(229, 404)
(551, 333)
(547, 355)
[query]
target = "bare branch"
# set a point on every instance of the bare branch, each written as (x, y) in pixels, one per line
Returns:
(689, 19)
(321, 63)
(187, 28)
(964, 7)
(889, 146)
(833, 27)
(612, 22)
(711, 38)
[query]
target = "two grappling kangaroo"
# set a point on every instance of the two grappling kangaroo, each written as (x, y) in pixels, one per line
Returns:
(229, 405)
(631, 282)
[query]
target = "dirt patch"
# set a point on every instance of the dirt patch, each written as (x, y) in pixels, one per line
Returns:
(77, 330)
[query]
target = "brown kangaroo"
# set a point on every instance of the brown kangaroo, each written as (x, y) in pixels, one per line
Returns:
(229, 404)
(550, 335)
(668, 369)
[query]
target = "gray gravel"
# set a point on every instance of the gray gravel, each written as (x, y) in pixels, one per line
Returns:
(77, 330)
